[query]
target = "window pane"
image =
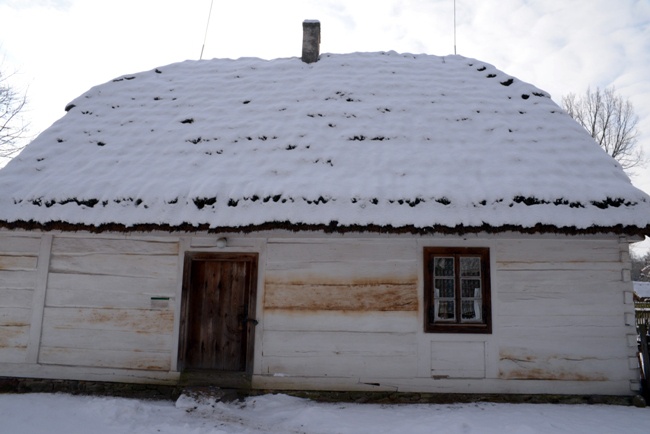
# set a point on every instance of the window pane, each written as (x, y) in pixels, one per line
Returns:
(445, 310)
(470, 288)
(444, 288)
(443, 266)
(470, 266)
(471, 310)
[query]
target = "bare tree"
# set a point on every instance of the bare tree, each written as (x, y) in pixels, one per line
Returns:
(611, 121)
(13, 128)
(640, 266)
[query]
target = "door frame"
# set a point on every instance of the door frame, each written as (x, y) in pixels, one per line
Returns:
(251, 297)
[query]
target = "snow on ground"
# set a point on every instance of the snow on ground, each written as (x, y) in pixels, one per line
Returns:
(68, 414)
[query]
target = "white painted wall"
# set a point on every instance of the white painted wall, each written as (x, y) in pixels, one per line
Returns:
(18, 279)
(559, 319)
(335, 312)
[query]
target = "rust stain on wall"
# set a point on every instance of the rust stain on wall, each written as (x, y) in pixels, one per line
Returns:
(105, 359)
(515, 356)
(540, 374)
(150, 321)
(526, 366)
(351, 295)
(14, 324)
(9, 333)
(163, 366)
(17, 262)
(299, 313)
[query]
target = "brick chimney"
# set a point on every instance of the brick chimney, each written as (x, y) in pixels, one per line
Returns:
(310, 40)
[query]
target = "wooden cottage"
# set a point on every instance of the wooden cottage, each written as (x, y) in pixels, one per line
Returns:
(368, 221)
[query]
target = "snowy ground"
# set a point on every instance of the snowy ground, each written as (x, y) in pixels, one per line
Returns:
(67, 414)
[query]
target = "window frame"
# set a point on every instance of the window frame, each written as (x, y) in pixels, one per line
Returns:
(456, 326)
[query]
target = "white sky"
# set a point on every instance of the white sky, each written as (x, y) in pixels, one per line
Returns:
(61, 48)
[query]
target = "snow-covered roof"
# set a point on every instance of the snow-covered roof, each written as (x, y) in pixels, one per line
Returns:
(362, 141)
(642, 289)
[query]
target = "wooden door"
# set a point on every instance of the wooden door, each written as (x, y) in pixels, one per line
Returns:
(218, 312)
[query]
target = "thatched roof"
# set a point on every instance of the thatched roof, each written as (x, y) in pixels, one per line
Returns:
(384, 142)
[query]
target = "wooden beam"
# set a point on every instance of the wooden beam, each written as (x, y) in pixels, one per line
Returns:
(38, 301)
(184, 245)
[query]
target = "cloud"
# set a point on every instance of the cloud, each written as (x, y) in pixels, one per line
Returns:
(66, 46)
(541, 37)
(565, 47)
(27, 4)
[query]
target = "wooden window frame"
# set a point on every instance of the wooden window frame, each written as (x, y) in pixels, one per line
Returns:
(456, 326)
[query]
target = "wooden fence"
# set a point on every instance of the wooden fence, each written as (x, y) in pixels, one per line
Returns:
(642, 310)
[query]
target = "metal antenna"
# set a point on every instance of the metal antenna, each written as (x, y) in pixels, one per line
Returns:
(206, 29)
(454, 27)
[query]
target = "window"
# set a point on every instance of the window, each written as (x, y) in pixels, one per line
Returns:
(457, 290)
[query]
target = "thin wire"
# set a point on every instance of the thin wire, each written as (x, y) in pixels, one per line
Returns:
(454, 27)
(206, 29)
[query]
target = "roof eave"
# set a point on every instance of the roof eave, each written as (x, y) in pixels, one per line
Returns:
(331, 228)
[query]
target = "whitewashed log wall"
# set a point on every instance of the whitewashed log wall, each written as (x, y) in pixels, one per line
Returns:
(99, 309)
(347, 314)
(340, 309)
(95, 305)
(335, 313)
(18, 278)
(560, 311)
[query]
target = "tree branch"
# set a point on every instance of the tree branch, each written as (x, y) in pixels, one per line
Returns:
(611, 121)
